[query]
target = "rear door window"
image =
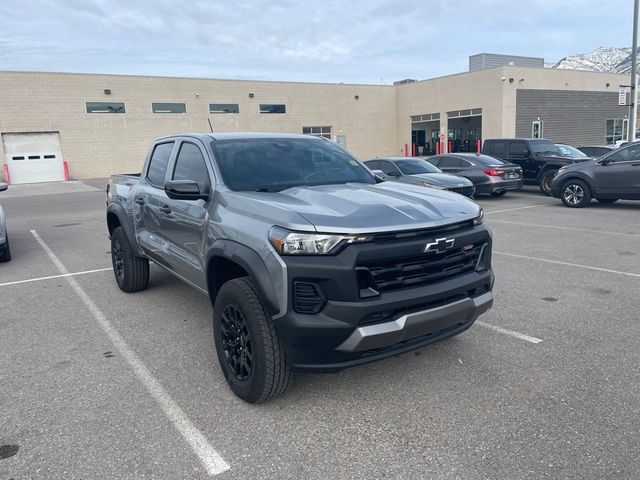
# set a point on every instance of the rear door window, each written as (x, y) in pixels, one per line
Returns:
(497, 148)
(389, 168)
(190, 165)
(629, 154)
(158, 163)
(518, 149)
(450, 162)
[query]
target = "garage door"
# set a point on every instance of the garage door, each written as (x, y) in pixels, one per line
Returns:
(33, 157)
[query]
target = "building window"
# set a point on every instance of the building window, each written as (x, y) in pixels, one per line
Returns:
(616, 130)
(537, 129)
(324, 132)
(224, 108)
(169, 107)
(105, 107)
(273, 108)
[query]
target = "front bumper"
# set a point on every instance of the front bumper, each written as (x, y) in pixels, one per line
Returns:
(352, 328)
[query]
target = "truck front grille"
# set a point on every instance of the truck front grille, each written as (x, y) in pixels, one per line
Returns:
(394, 274)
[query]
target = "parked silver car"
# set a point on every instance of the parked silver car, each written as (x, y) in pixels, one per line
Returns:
(5, 250)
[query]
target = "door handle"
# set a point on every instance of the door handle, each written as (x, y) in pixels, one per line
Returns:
(139, 200)
(165, 209)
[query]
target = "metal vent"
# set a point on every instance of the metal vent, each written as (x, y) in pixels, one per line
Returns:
(307, 298)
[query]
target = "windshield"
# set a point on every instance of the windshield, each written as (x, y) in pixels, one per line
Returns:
(274, 164)
(544, 146)
(570, 151)
(414, 167)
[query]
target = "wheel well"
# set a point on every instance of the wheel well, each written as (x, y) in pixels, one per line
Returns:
(220, 270)
(113, 222)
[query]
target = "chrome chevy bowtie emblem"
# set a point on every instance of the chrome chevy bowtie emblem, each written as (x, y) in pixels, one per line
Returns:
(440, 245)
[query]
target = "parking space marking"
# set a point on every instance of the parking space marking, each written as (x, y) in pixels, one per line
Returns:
(210, 458)
(571, 229)
(487, 212)
(568, 264)
(29, 280)
(511, 333)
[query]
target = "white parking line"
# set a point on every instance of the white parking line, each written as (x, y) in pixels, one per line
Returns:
(571, 229)
(511, 333)
(17, 282)
(486, 212)
(577, 265)
(212, 461)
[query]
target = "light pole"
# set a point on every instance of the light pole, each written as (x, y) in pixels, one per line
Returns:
(631, 136)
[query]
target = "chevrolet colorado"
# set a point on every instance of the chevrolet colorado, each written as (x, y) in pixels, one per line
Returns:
(311, 262)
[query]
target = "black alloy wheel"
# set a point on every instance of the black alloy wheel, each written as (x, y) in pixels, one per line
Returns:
(236, 342)
(118, 260)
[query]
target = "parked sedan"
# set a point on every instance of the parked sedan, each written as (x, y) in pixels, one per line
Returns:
(614, 176)
(5, 250)
(488, 174)
(597, 151)
(418, 172)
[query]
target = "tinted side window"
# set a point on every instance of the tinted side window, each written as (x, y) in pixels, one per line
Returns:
(628, 154)
(450, 162)
(497, 148)
(158, 164)
(435, 161)
(190, 165)
(373, 164)
(389, 168)
(518, 149)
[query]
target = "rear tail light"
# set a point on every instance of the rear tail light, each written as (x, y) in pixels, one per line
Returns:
(494, 172)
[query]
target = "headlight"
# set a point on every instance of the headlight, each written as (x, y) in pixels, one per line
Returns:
(478, 219)
(287, 242)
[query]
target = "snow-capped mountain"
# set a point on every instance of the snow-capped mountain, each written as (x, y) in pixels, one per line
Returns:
(603, 59)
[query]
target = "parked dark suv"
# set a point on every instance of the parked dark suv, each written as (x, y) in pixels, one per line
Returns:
(540, 159)
(614, 176)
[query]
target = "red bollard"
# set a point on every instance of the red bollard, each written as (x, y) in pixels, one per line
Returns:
(478, 144)
(449, 145)
(406, 150)
(437, 148)
(7, 178)
(67, 177)
(414, 150)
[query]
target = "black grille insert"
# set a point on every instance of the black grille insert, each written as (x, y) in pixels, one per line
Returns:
(307, 298)
(406, 272)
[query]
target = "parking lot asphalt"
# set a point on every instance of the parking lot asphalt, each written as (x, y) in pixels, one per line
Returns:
(546, 386)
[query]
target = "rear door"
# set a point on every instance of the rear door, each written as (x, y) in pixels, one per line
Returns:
(450, 164)
(519, 154)
(621, 177)
(389, 169)
(150, 200)
(184, 222)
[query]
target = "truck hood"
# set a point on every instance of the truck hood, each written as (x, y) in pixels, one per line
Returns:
(562, 159)
(445, 180)
(362, 208)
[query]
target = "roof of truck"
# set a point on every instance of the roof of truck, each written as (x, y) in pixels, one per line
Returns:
(240, 135)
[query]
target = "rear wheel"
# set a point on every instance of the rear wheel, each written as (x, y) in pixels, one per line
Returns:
(131, 271)
(249, 351)
(6, 255)
(545, 181)
(576, 194)
(501, 193)
(607, 200)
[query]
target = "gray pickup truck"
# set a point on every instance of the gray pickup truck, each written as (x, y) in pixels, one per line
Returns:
(311, 262)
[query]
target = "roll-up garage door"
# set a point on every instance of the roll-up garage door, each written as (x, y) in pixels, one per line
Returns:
(33, 157)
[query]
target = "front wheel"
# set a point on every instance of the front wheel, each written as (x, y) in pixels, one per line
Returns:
(576, 194)
(247, 345)
(545, 181)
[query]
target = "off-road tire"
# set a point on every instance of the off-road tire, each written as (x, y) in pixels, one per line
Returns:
(575, 194)
(269, 374)
(545, 181)
(131, 271)
(6, 255)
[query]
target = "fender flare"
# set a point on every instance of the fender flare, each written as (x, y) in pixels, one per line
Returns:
(126, 224)
(579, 176)
(252, 263)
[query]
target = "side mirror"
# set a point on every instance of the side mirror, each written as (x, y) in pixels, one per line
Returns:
(604, 162)
(3, 186)
(392, 174)
(184, 190)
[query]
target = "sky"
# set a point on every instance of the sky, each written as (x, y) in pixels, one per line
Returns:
(350, 41)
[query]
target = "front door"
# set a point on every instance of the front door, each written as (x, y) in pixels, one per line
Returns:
(184, 225)
(620, 177)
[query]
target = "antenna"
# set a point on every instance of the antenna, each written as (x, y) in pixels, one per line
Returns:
(210, 126)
